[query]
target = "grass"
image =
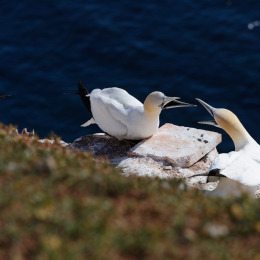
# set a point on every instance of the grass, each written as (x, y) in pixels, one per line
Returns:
(60, 204)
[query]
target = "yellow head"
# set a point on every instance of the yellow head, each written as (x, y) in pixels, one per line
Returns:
(228, 121)
(156, 101)
(153, 101)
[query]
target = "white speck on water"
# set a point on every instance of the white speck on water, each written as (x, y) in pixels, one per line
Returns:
(253, 24)
(250, 26)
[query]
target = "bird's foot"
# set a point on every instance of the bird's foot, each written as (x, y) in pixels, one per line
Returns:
(131, 143)
(128, 143)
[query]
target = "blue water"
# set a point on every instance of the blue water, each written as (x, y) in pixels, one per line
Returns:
(183, 48)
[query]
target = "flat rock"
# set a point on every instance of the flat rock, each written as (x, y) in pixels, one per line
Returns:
(120, 155)
(178, 145)
(145, 166)
(102, 145)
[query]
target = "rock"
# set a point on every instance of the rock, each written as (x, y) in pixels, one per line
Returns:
(142, 166)
(157, 165)
(64, 144)
(180, 146)
(102, 145)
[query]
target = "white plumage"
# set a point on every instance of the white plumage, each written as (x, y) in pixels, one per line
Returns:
(121, 115)
(241, 170)
(238, 171)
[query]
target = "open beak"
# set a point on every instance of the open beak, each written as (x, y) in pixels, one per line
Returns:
(210, 109)
(171, 102)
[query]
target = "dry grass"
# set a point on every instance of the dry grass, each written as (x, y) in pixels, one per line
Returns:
(60, 205)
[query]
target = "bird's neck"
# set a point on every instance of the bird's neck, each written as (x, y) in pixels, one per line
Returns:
(152, 115)
(150, 110)
(239, 136)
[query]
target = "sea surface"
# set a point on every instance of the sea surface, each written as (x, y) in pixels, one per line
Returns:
(189, 49)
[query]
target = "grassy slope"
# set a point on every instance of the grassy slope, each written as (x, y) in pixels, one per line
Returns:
(59, 204)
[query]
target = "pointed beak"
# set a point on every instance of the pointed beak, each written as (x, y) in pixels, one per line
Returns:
(211, 110)
(209, 122)
(171, 102)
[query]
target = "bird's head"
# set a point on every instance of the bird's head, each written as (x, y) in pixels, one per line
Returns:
(156, 101)
(223, 118)
(226, 120)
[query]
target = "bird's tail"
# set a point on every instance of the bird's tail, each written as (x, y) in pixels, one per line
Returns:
(91, 121)
(84, 95)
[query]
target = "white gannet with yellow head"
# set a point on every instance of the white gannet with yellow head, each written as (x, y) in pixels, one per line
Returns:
(121, 115)
(238, 171)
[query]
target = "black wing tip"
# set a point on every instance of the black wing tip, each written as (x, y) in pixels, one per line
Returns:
(212, 173)
(3, 96)
(215, 172)
(80, 84)
(83, 92)
(72, 93)
(82, 89)
(199, 175)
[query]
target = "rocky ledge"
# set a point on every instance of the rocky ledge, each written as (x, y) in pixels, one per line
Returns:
(173, 152)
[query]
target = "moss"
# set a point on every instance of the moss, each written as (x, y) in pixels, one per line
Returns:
(60, 204)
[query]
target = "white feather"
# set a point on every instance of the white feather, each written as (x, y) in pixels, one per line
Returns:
(89, 122)
(228, 187)
(242, 169)
(121, 115)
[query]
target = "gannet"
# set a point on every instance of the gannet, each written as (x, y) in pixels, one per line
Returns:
(238, 171)
(121, 115)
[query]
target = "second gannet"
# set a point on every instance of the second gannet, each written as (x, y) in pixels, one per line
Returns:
(238, 171)
(121, 115)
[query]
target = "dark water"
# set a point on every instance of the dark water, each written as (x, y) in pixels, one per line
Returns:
(183, 48)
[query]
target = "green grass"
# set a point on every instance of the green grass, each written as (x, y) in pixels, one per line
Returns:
(61, 205)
